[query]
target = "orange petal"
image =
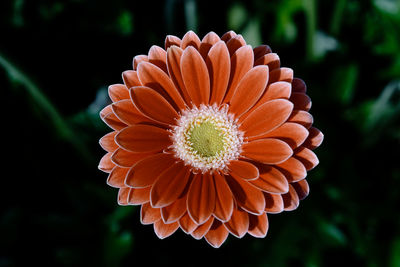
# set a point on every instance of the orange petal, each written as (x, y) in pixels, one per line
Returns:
(307, 157)
(301, 117)
(169, 185)
(118, 92)
(260, 51)
(163, 230)
(107, 142)
(139, 196)
(187, 224)
(290, 199)
(190, 39)
(217, 234)
(219, 67)
(114, 123)
(116, 178)
(152, 76)
(258, 225)
(105, 164)
(271, 180)
(301, 101)
(105, 111)
(293, 170)
(249, 90)
(268, 151)
(281, 74)
(302, 189)
(195, 76)
(271, 60)
(131, 78)
(292, 133)
(143, 138)
(124, 158)
(201, 230)
(208, 41)
(145, 172)
(158, 57)
(201, 198)
(123, 196)
(175, 211)
(247, 196)
(153, 105)
(227, 36)
(235, 43)
(273, 203)
(314, 139)
(171, 40)
(243, 169)
(241, 63)
(174, 55)
(266, 118)
(148, 214)
(238, 224)
(128, 113)
(138, 59)
(224, 199)
(299, 86)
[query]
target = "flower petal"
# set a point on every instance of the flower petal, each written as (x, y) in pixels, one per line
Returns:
(273, 203)
(123, 196)
(224, 199)
(201, 230)
(299, 86)
(301, 101)
(227, 36)
(107, 142)
(137, 60)
(116, 178)
(208, 41)
(201, 198)
(307, 157)
(139, 196)
(243, 169)
(124, 158)
(118, 92)
(169, 185)
(314, 139)
(131, 79)
(302, 189)
(247, 196)
(145, 172)
(217, 234)
(241, 63)
(260, 51)
(175, 211)
(163, 230)
(290, 199)
(158, 57)
(190, 39)
(195, 76)
(301, 117)
(148, 214)
(271, 60)
(143, 138)
(277, 90)
(258, 225)
(153, 77)
(171, 40)
(268, 151)
(105, 111)
(106, 165)
(249, 90)
(187, 224)
(153, 105)
(235, 43)
(128, 113)
(293, 170)
(292, 133)
(114, 123)
(266, 118)
(238, 224)
(281, 74)
(271, 180)
(219, 67)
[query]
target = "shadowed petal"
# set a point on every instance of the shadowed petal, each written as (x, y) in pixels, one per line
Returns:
(217, 234)
(292, 133)
(238, 224)
(314, 139)
(158, 57)
(260, 51)
(187, 224)
(163, 230)
(271, 180)
(131, 79)
(123, 196)
(148, 214)
(290, 199)
(175, 211)
(171, 40)
(139, 196)
(301, 101)
(143, 138)
(301, 117)
(124, 158)
(227, 36)
(208, 41)
(281, 74)
(201, 230)
(268, 151)
(258, 225)
(106, 165)
(243, 169)
(302, 189)
(293, 170)
(107, 142)
(118, 92)
(128, 113)
(271, 60)
(299, 86)
(273, 203)
(116, 178)
(224, 199)
(235, 43)
(307, 157)
(190, 39)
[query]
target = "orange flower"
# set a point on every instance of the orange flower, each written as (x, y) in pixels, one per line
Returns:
(209, 136)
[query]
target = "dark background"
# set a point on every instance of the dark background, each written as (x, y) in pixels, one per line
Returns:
(57, 59)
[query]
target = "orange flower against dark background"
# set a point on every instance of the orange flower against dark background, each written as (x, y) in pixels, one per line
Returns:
(209, 136)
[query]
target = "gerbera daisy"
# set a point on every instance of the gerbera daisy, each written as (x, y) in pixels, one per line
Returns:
(209, 136)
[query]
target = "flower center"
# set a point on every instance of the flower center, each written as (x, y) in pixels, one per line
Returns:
(207, 138)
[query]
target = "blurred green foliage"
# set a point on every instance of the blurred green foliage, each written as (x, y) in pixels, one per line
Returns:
(57, 59)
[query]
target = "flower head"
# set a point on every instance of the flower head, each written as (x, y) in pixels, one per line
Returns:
(209, 136)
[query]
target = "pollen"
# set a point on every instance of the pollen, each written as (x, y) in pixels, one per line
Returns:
(207, 138)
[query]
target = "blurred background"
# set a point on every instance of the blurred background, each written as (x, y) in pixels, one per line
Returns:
(57, 59)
